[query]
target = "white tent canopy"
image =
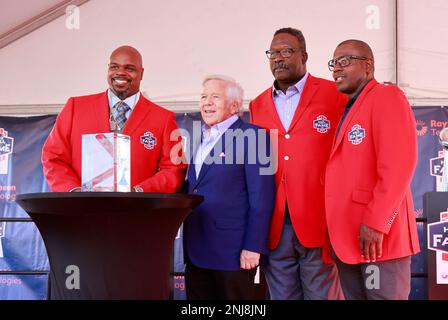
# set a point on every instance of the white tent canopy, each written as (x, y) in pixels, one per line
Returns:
(182, 41)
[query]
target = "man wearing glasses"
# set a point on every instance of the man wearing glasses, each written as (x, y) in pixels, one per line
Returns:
(369, 209)
(305, 111)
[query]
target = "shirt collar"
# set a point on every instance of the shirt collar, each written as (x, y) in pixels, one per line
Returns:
(130, 101)
(298, 87)
(219, 128)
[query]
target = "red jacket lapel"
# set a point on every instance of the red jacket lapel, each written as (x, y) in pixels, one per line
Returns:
(272, 112)
(310, 88)
(101, 105)
(355, 108)
(138, 115)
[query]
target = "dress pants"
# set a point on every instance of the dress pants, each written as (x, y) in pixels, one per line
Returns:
(206, 284)
(294, 272)
(381, 280)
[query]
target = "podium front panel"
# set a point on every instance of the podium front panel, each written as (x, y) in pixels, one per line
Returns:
(107, 245)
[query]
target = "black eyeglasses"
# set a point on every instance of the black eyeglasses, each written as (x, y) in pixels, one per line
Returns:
(285, 53)
(343, 61)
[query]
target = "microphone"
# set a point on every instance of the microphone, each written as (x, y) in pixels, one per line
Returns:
(443, 137)
(443, 140)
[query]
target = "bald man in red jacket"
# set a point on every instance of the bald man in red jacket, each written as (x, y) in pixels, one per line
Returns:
(154, 167)
(304, 111)
(369, 208)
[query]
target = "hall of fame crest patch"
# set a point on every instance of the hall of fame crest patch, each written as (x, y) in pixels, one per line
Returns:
(148, 140)
(321, 124)
(357, 134)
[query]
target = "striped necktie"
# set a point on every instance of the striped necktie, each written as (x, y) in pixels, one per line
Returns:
(119, 112)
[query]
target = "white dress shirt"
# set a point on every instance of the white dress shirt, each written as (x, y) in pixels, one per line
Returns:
(211, 135)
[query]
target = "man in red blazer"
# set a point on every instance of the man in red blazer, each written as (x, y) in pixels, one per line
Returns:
(304, 111)
(369, 209)
(154, 167)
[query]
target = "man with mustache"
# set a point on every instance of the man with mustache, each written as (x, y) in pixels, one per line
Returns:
(122, 108)
(369, 207)
(304, 110)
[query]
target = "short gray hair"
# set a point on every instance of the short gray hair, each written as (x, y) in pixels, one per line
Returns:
(234, 91)
(294, 32)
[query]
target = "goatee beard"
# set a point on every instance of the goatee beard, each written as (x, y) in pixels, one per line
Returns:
(121, 95)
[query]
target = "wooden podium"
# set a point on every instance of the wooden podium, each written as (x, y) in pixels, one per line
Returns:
(121, 243)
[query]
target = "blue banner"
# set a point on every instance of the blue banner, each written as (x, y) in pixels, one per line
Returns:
(22, 248)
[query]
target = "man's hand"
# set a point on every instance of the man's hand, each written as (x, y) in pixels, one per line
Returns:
(249, 260)
(370, 243)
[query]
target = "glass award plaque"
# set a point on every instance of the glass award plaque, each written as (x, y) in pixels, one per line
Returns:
(106, 162)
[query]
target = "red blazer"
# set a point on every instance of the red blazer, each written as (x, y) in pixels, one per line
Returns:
(151, 169)
(369, 174)
(300, 179)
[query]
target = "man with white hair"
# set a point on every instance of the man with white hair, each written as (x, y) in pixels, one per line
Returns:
(225, 235)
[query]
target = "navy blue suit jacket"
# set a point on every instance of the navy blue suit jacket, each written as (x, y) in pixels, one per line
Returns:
(238, 201)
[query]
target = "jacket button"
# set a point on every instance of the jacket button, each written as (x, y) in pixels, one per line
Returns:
(286, 158)
(287, 136)
(195, 190)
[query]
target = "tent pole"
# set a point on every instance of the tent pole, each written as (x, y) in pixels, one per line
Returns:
(396, 43)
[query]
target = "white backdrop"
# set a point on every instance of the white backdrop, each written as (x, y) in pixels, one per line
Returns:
(182, 41)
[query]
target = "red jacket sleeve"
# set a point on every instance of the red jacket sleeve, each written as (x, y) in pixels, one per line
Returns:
(172, 164)
(395, 143)
(57, 153)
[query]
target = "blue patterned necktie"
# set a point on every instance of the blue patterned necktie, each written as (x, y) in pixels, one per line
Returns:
(119, 112)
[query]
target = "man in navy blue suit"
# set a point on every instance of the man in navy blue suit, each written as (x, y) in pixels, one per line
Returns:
(233, 169)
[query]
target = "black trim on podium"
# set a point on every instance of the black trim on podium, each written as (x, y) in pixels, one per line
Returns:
(122, 243)
(434, 203)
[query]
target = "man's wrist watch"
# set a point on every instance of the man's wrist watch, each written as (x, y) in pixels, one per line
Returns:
(138, 189)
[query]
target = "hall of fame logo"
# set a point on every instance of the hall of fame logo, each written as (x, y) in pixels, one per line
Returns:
(357, 134)
(148, 140)
(436, 169)
(6, 148)
(321, 124)
(438, 241)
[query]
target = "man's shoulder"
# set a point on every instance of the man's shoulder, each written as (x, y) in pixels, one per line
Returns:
(249, 126)
(162, 111)
(89, 97)
(380, 92)
(387, 88)
(322, 82)
(266, 94)
(385, 94)
(85, 103)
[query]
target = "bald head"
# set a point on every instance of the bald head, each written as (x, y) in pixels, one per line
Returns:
(361, 47)
(128, 50)
(125, 71)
